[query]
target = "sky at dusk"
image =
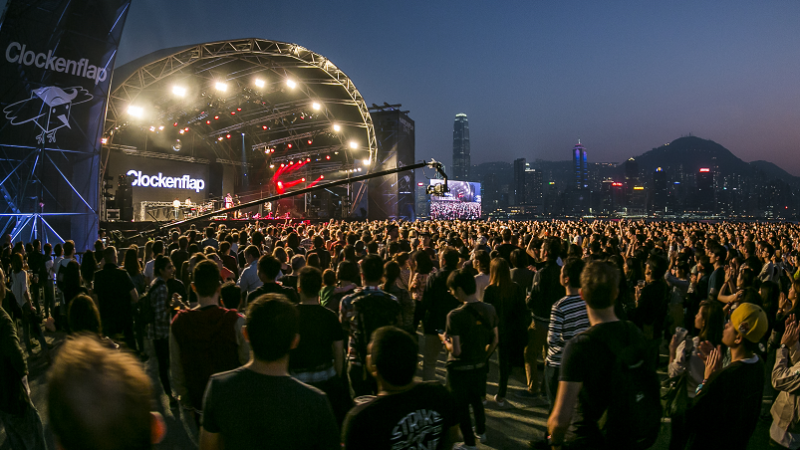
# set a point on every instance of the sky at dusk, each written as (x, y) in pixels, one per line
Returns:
(536, 76)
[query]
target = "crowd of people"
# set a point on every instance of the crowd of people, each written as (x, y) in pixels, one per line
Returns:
(309, 336)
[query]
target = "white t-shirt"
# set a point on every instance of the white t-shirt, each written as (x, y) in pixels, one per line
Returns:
(481, 281)
(19, 285)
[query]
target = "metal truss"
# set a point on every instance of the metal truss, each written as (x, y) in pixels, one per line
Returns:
(262, 54)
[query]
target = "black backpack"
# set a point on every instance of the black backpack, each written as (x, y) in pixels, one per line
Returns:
(633, 419)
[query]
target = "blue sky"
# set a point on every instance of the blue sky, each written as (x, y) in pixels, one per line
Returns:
(535, 76)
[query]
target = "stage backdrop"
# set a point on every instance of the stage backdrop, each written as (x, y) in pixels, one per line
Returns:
(55, 70)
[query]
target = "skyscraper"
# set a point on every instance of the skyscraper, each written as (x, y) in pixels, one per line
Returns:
(461, 162)
(392, 196)
(579, 166)
(519, 182)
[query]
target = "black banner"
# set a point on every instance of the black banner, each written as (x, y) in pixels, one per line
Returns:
(56, 64)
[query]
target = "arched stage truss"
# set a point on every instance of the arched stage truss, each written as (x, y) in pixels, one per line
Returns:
(255, 103)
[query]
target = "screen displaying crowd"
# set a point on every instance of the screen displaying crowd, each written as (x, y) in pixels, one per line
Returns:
(462, 201)
(307, 336)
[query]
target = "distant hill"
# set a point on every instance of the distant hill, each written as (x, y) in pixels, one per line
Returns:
(771, 170)
(693, 153)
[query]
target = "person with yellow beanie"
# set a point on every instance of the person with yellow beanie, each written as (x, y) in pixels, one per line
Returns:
(728, 402)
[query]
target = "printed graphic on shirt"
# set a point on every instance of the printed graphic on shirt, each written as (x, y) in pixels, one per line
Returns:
(419, 430)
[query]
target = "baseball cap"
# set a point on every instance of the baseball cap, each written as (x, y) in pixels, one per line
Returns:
(750, 320)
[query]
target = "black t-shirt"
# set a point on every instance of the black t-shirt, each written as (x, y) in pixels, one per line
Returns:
(113, 287)
(725, 412)
(319, 329)
(505, 251)
(463, 323)
(273, 288)
(256, 411)
(589, 360)
(417, 418)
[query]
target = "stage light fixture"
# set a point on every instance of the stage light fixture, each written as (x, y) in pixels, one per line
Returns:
(152, 128)
(222, 87)
(260, 83)
(310, 142)
(316, 106)
(180, 91)
(367, 161)
(175, 124)
(328, 157)
(291, 83)
(264, 127)
(216, 117)
(161, 128)
(283, 165)
(353, 145)
(289, 146)
(135, 111)
(291, 162)
(181, 131)
(303, 179)
(104, 141)
(219, 138)
(228, 136)
(272, 166)
(359, 169)
(322, 177)
(233, 113)
(238, 109)
(308, 159)
(336, 127)
(208, 122)
(186, 129)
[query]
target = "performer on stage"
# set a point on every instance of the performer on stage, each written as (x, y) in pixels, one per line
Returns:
(228, 201)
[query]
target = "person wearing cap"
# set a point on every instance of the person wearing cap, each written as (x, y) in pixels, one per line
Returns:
(728, 402)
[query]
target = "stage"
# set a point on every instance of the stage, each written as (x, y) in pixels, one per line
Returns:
(138, 227)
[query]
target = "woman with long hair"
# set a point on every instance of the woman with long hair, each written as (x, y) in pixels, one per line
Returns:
(508, 299)
(683, 357)
(391, 273)
(88, 268)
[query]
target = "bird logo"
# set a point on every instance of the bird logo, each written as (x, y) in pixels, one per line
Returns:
(49, 108)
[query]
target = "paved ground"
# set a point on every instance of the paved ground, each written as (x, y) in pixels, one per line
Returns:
(508, 428)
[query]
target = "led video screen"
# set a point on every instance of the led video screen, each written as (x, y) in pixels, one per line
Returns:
(462, 201)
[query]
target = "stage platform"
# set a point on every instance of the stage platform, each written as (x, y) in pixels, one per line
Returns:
(138, 227)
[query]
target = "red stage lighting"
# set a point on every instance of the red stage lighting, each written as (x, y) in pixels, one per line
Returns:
(308, 159)
(327, 156)
(291, 162)
(175, 124)
(289, 146)
(228, 136)
(233, 113)
(310, 141)
(302, 179)
(216, 117)
(238, 109)
(208, 122)
(264, 127)
(186, 129)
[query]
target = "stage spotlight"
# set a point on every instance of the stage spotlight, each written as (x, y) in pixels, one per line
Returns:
(233, 113)
(272, 166)
(316, 106)
(161, 128)
(328, 157)
(359, 169)
(175, 124)
(322, 177)
(216, 117)
(310, 142)
(367, 161)
(222, 87)
(308, 159)
(289, 146)
(208, 122)
(291, 83)
(353, 145)
(291, 162)
(135, 111)
(238, 109)
(303, 179)
(104, 141)
(177, 145)
(186, 129)
(260, 83)
(283, 165)
(264, 127)
(180, 91)
(219, 138)
(181, 131)
(152, 128)
(228, 136)
(336, 127)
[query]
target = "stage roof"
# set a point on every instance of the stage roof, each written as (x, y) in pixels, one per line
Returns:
(275, 101)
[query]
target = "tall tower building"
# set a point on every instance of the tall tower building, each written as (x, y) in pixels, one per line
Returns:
(461, 162)
(579, 166)
(519, 182)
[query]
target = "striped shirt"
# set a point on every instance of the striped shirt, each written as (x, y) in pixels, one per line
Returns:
(567, 319)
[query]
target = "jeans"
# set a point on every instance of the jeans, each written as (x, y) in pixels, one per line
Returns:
(467, 387)
(551, 374)
(537, 345)
(30, 323)
(504, 363)
(361, 382)
(161, 346)
(24, 431)
(431, 351)
(49, 298)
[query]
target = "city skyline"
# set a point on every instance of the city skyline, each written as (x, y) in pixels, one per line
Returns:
(624, 77)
